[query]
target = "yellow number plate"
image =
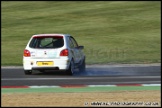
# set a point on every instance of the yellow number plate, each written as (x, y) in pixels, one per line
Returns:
(45, 63)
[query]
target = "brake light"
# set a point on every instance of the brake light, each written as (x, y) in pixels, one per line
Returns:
(26, 53)
(64, 52)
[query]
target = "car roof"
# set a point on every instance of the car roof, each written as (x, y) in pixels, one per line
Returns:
(52, 34)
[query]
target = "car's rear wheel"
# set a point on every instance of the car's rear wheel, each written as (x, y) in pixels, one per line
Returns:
(70, 71)
(82, 67)
(27, 72)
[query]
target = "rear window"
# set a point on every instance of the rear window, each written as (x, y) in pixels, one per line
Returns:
(46, 42)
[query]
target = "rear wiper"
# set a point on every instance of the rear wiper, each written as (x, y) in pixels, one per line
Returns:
(48, 44)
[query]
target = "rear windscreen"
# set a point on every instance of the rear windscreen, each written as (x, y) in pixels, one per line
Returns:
(46, 42)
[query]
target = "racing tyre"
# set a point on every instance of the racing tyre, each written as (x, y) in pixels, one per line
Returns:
(82, 68)
(70, 71)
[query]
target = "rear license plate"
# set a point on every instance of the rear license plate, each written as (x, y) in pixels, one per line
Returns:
(45, 63)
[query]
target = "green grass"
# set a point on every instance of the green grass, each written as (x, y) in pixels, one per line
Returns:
(84, 89)
(111, 31)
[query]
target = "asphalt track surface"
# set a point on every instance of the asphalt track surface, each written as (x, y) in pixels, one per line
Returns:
(94, 75)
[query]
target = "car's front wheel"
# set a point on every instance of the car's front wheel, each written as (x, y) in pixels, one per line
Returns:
(70, 71)
(27, 72)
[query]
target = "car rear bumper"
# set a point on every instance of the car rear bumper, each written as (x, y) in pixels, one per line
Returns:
(58, 64)
(45, 68)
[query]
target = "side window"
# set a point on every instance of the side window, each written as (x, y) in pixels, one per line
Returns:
(74, 42)
(71, 43)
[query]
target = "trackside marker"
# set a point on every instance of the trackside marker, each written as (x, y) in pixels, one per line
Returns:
(73, 86)
(128, 84)
(151, 84)
(80, 86)
(101, 85)
(43, 86)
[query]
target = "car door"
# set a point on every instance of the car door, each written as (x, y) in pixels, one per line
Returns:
(74, 48)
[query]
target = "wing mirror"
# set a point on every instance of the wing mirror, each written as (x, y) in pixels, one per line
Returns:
(80, 47)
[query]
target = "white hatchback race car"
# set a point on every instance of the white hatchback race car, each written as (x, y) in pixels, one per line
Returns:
(53, 52)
